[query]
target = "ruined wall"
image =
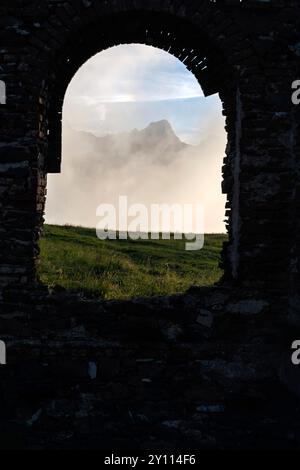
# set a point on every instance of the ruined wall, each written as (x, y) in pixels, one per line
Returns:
(194, 368)
(198, 371)
(250, 43)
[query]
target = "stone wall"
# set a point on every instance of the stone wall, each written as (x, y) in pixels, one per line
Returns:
(254, 46)
(198, 369)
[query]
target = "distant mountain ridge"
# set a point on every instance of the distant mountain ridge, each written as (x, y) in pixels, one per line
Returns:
(157, 141)
(156, 133)
(149, 166)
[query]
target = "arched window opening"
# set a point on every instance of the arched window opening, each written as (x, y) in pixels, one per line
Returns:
(137, 133)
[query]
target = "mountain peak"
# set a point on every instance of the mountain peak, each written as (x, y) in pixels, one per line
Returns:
(160, 132)
(157, 137)
(163, 123)
(160, 129)
(158, 141)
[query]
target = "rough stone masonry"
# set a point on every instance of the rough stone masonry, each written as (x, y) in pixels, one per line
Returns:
(210, 368)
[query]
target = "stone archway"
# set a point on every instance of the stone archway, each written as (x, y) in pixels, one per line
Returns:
(189, 47)
(204, 355)
(203, 56)
(54, 39)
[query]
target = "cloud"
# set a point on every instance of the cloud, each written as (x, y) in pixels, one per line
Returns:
(191, 118)
(98, 171)
(128, 87)
(133, 72)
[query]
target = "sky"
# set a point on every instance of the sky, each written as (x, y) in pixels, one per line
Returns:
(128, 87)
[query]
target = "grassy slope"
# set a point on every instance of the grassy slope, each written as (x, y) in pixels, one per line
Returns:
(74, 258)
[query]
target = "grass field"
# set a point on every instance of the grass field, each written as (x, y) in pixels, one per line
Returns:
(74, 258)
